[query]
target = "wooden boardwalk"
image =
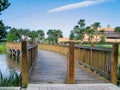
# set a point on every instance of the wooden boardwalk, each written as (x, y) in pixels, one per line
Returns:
(51, 68)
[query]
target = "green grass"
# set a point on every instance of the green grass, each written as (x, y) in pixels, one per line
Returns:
(14, 79)
(2, 47)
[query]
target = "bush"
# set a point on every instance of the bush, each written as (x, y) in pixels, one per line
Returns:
(14, 79)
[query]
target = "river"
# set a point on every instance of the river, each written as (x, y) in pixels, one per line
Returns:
(8, 63)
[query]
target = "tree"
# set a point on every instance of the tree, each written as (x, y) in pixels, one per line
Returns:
(102, 36)
(4, 4)
(72, 36)
(81, 23)
(95, 26)
(90, 33)
(117, 30)
(53, 35)
(33, 35)
(80, 30)
(41, 35)
(12, 35)
(3, 30)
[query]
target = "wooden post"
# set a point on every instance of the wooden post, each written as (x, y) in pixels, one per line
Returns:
(71, 64)
(114, 64)
(24, 64)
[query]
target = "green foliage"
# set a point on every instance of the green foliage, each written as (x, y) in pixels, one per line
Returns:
(117, 29)
(3, 31)
(4, 4)
(72, 36)
(3, 47)
(14, 79)
(33, 35)
(102, 36)
(41, 35)
(53, 35)
(12, 35)
(80, 30)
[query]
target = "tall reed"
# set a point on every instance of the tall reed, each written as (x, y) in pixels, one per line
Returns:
(14, 79)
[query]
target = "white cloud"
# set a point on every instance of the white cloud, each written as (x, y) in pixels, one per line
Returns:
(76, 5)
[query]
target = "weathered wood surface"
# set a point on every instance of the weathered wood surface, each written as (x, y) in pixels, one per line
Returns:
(24, 64)
(71, 64)
(51, 67)
(102, 86)
(114, 64)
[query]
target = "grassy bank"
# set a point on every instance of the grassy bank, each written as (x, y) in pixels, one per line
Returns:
(2, 47)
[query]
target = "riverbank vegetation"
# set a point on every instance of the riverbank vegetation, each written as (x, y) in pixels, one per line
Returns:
(3, 48)
(14, 79)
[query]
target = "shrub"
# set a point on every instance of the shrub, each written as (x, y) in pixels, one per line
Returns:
(14, 79)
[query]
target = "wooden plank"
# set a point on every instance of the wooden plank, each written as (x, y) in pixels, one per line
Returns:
(71, 64)
(24, 64)
(114, 64)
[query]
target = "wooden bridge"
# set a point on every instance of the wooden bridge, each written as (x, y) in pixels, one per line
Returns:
(67, 64)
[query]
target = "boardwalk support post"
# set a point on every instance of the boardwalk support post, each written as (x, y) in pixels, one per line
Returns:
(114, 64)
(24, 64)
(71, 64)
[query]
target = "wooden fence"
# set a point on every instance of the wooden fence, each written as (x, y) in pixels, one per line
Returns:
(29, 55)
(100, 60)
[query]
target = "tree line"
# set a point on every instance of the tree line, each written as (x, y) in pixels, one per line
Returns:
(4, 4)
(15, 35)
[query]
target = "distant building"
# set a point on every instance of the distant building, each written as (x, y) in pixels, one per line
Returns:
(61, 40)
(110, 36)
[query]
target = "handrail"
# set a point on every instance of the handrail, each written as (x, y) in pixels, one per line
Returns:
(29, 55)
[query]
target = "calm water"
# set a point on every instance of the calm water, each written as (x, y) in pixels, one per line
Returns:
(9, 63)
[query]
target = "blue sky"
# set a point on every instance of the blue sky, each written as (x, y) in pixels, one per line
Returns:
(60, 14)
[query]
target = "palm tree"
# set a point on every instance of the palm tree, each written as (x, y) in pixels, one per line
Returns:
(95, 26)
(33, 35)
(40, 35)
(90, 33)
(20, 32)
(117, 30)
(72, 35)
(53, 35)
(102, 36)
(81, 23)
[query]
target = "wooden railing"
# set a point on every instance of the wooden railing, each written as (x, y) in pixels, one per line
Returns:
(15, 45)
(29, 55)
(100, 60)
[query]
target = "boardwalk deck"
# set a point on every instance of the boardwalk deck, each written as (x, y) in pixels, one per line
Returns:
(51, 68)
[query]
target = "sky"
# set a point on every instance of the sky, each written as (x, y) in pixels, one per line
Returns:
(60, 14)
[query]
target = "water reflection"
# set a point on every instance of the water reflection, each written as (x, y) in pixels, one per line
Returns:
(8, 62)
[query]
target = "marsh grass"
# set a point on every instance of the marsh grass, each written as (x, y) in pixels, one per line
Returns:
(14, 79)
(3, 49)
